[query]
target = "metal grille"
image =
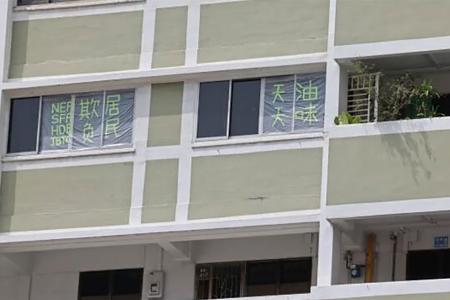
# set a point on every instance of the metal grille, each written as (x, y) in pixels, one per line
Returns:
(219, 281)
(362, 96)
(226, 281)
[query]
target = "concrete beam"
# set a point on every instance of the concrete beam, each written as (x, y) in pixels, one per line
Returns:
(180, 251)
(16, 263)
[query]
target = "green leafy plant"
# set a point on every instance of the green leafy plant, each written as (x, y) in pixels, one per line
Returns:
(394, 96)
(346, 118)
(360, 67)
(402, 98)
(421, 103)
(399, 96)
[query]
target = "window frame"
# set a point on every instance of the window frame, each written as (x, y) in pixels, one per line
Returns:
(261, 133)
(70, 150)
(243, 266)
(67, 4)
(7, 131)
(43, 3)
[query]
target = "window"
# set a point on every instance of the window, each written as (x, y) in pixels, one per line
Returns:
(255, 278)
(71, 121)
(111, 285)
(213, 109)
(222, 113)
(32, 2)
(23, 125)
(428, 264)
(244, 107)
(280, 104)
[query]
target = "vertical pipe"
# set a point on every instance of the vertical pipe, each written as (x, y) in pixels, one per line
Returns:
(370, 258)
(394, 239)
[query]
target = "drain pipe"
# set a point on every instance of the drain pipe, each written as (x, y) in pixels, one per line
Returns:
(394, 239)
(370, 257)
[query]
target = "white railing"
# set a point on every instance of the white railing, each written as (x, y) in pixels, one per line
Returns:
(380, 289)
(362, 96)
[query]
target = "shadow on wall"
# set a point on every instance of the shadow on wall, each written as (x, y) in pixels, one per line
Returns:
(412, 149)
(7, 203)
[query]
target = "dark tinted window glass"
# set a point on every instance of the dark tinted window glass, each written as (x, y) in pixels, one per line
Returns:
(94, 284)
(23, 125)
(29, 2)
(295, 271)
(428, 264)
(262, 272)
(127, 282)
(245, 107)
(295, 276)
(262, 278)
(213, 109)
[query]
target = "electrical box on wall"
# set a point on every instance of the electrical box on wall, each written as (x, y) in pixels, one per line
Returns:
(156, 285)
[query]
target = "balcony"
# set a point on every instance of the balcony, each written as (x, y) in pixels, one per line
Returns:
(396, 147)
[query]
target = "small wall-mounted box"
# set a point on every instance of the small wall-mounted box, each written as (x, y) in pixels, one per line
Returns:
(156, 285)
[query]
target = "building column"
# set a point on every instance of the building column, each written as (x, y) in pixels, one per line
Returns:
(142, 115)
(190, 93)
(5, 46)
(330, 254)
(5, 37)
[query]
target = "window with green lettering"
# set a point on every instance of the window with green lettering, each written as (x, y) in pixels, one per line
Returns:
(282, 104)
(71, 122)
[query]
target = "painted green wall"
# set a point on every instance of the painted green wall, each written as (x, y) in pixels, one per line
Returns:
(165, 114)
(228, 185)
(440, 296)
(389, 167)
(85, 44)
(365, 21)
(261, 28)
(170, 37)
(160, 192)
(65, 197)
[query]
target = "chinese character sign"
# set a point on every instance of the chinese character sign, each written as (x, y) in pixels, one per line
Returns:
(57, 125)
(118, 117)
(294, 103)
(309, 102)
(88, 120)
(278, 104)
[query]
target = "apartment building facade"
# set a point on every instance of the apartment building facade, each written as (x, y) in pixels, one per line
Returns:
(200, 149)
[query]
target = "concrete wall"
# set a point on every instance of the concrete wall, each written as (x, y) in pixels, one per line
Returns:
(65, 197)
(259, 28)
(55, 273)
(365, 21)
(71, 45)
(160, 192)
(165, 114)
(388, 167)
(243, 184)
(170, 37)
